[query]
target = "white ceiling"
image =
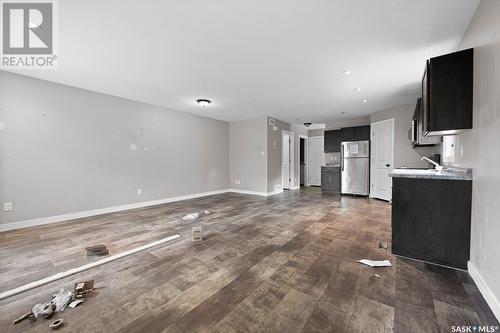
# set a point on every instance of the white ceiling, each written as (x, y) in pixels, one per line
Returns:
(282, 58)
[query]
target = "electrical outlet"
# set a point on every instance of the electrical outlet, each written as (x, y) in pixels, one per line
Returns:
(7, 206)
(139, 191)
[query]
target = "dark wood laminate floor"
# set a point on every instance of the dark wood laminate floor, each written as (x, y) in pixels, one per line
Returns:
(286, 263)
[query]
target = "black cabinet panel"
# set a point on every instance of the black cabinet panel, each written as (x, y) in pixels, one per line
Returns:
(431, 220)
(332, 141)
(362, 133)
(330, 180)
(348, 134)
(447, 90)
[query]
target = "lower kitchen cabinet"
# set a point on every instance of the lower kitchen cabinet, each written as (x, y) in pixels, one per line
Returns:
(431, 220)
(330, 180)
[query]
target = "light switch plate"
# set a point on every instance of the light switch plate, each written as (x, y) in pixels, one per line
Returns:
(139, 191)
(7, 206)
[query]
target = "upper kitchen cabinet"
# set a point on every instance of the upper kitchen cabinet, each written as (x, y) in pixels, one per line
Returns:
(362, 133)
(358, 133)
(347, 134)
(332, 141)
(447, 88)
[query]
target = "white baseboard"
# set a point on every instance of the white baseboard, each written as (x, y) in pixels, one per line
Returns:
(100, 211)
(262, 194)
(295, 188)
(274, 192)
(107, 210)
(488, 295)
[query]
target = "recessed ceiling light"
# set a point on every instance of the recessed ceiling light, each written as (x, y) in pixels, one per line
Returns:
(203, 102)
(342, 112)
(347, 72)
(357, 89)
(365, 100)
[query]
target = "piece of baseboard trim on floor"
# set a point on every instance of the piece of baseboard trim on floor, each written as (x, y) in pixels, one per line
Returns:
(488, 295)
(101, 211)
(295, 188)
(76, 270)
(262, 194)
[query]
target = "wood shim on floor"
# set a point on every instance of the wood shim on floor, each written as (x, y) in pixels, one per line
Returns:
(72, 271)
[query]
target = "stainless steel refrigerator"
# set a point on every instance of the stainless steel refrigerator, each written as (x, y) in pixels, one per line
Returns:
(355, 167)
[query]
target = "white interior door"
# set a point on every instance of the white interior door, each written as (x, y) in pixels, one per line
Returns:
(285, 161)
(382, 157)
(316, 159)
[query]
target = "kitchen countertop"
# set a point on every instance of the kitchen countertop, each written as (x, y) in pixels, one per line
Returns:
(446, 174)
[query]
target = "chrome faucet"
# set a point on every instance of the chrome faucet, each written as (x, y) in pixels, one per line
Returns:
(437, 166)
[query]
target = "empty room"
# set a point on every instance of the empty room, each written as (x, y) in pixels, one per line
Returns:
(250, 166)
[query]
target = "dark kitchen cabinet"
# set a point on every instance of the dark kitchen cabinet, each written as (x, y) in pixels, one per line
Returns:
(447, 90)
(330, 180)
(362, 133)
(431, 220)
(332, 141)
(347, 134)
(358, 133)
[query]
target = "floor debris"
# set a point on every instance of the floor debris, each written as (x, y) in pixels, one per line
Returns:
(81, 289)
(197, 234)
(191, 217)
(376, 276)
(97, 250)
(382, 245)
(194, 216)
(23, 317)
(75, 303)
(57, 324)
(375, 263)
(59, 302)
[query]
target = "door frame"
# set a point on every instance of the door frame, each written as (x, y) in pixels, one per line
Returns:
(306, 159)
(291, 157)
(372, 147)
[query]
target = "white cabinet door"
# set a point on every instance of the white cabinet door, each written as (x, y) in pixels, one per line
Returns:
(316, 159)
(382, 159)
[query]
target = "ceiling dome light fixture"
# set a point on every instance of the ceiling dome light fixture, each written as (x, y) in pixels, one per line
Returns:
(347, 72)
(203, 102)
(365, 100)
(358, 89)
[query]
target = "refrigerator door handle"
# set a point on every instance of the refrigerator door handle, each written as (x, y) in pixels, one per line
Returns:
(342, 158)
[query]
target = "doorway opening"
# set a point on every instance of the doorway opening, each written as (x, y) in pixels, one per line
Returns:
(302, 161)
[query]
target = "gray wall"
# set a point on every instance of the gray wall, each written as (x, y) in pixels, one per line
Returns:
(336, 124)
(248, 155)
(65, 150)
(404, 154)
(480, 145)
